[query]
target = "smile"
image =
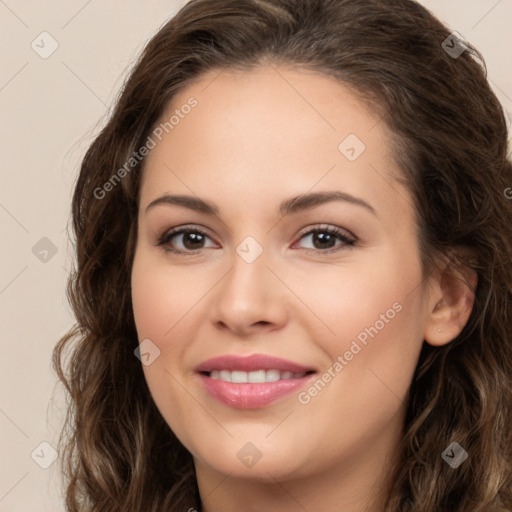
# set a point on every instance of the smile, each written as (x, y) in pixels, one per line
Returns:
(251, 382)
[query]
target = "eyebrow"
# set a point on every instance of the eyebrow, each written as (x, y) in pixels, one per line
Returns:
(293, 205)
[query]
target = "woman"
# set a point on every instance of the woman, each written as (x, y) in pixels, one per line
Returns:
(293, 284)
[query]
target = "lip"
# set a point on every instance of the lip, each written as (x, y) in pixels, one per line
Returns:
(251, 395)
(251, 363)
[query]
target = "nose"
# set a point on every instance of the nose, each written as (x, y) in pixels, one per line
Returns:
(250, 298)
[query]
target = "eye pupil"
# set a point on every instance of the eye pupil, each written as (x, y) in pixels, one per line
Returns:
(192, 237)
(323, 237)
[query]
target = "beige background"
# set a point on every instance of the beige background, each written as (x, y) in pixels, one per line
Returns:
(50, 110)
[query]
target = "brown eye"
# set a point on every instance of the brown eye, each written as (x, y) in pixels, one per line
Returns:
(324, 239)
(187, 239)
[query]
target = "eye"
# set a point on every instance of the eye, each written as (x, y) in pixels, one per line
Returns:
(324, 239)
(190, 239)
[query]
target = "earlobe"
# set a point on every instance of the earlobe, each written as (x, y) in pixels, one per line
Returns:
(450, 303)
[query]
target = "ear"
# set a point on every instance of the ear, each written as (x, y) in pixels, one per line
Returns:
(450, 301)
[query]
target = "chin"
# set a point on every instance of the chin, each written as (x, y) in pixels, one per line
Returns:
(252, 460)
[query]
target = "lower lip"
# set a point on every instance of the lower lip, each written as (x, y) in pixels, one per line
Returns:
(251, 396)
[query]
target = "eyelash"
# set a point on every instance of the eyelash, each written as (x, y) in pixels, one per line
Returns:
(348, 241)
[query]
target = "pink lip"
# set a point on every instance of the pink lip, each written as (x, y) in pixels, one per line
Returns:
(250, 395)
(251, 363)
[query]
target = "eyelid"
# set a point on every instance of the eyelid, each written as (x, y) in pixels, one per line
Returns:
(327, 227)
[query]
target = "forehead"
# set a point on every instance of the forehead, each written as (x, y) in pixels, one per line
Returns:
(271, 132)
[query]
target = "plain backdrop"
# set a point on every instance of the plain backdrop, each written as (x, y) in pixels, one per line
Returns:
(51, 106)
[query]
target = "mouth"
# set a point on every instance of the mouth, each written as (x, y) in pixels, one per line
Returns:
(251, 382)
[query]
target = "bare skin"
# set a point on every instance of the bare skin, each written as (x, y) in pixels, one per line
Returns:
(256, 139)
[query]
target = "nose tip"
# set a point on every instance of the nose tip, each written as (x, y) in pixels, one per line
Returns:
(248, 299)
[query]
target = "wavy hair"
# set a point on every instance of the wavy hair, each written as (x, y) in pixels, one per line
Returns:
(450, 141)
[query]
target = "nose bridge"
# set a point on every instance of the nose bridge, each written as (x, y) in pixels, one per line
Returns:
(249, 293)
(247, 282)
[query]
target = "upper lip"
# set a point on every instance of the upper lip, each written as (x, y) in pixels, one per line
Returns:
(251, 363)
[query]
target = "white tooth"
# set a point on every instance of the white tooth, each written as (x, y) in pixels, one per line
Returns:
(254, 377)
(257, 376)
(272, 375)
(225, 375)
(238, 376)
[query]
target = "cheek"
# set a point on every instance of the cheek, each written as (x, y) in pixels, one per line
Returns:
(374, 315)
(169, 305)
(356, 297)
(373, 354)
(161, 298)
(160, 305)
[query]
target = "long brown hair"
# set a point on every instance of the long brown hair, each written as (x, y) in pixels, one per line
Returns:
(451, 144)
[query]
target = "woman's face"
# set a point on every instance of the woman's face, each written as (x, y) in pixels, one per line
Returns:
(277, 154)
